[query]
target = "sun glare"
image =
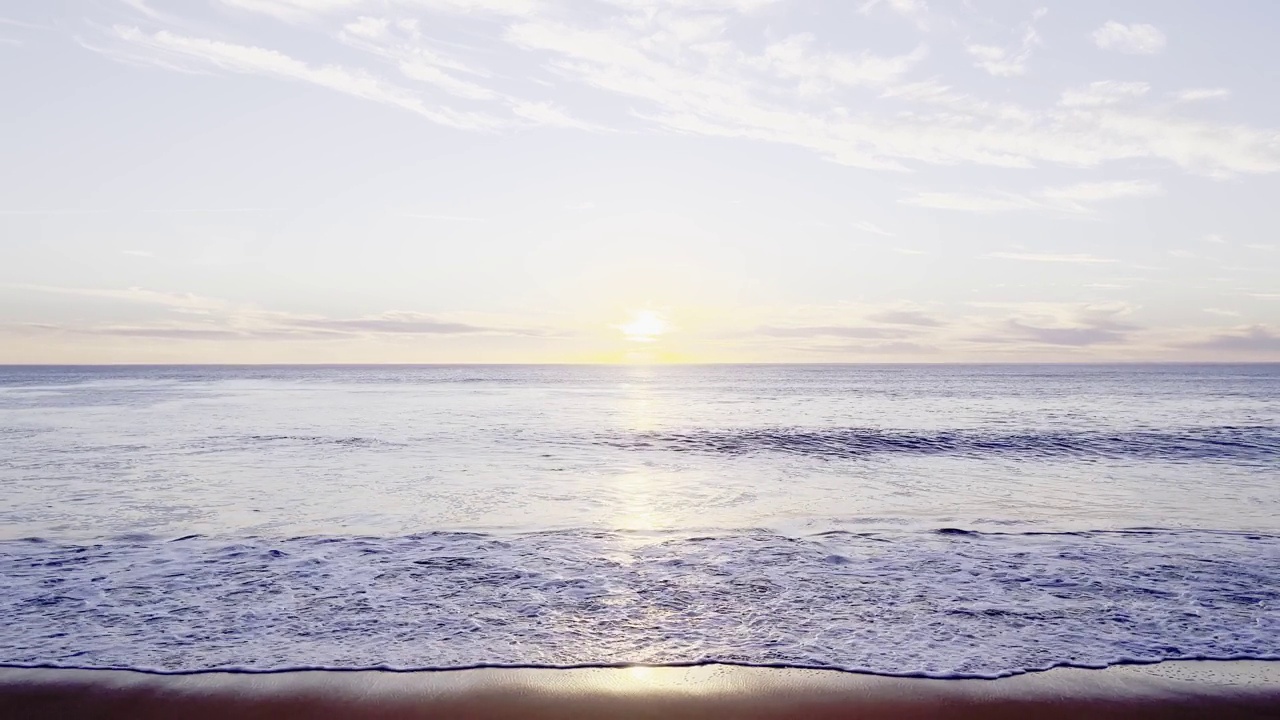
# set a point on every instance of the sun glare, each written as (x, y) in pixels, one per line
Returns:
(645, 326)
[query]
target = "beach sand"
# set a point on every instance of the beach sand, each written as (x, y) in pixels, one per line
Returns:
(1186, 689)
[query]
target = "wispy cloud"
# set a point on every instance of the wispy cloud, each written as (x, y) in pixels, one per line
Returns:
(400, 323)
(872, 228)
(254, 60)
(182, 302)
(916, 11)
(1067, 325)
(1008, 61)
(127, 211)
(972, 202)
(1255, 339)
(904, 349)
(549, 115)
(676, 66)
(444, 217)
(1073, 258)
(1080, 194)
(1200, 94)
(906, 317)
(1103, 92)
(213, 318)
(1079, 198)
(301, 10)
(842, 331)
(11, 22)
(1135, 39)
(1075, 336)
(137, 253)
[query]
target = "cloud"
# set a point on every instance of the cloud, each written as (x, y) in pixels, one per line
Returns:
(905, 317)
(796, 58)
(402, 45)
(1103, 92)
(1077, 198)
(22, 24)
(915, 10)
(1067, 326)
(1008, 61)
(1073, 258)
(872, 228)
(182, 302)
(1214, 238)
(161, 332)
(1136, 39)
(137, 253)
(220, 318)
(1257, 338)
(832, 331)
(1078, 337)
(682, 66)
(889, 348)
(400, 323)
(1199, 94)
(299, 10)
(446, 218)
(740, 6)
(117, 210)
(1090, 192)
(269, 325)
(971, 202)
(260, 61)
(1223, 313)
(549, 115)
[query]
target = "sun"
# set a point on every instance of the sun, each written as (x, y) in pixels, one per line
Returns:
(645, 326)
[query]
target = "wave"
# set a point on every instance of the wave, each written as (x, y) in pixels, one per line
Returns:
(947, 603)
(1238, 443)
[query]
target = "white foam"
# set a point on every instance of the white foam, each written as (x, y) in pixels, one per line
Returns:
(943, 604)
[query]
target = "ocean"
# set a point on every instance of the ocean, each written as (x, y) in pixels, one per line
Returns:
(943, 521)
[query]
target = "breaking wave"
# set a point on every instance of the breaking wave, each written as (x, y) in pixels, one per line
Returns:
(948, 603)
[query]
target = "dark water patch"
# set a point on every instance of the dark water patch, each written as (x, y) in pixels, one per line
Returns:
(1226, 443)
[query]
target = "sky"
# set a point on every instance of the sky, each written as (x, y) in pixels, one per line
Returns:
(452, 181)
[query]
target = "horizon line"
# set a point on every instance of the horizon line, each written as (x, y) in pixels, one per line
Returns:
(1098, 363)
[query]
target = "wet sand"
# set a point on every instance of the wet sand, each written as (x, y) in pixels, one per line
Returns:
(1236, 689)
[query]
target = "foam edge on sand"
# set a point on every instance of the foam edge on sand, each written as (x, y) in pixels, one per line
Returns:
(1179, 689)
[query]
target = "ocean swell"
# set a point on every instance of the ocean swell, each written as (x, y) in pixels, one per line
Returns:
(1252, 444)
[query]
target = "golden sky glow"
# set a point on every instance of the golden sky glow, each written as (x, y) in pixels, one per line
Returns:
(637, 182)
(644, 326)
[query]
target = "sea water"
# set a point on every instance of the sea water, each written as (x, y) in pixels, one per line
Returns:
(915, 520)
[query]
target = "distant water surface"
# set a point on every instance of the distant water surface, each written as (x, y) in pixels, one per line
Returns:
(945, 520)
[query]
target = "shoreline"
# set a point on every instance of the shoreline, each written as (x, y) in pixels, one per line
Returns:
(1176, 689)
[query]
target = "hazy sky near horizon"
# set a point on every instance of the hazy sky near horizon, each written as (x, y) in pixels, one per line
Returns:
(639, 180)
